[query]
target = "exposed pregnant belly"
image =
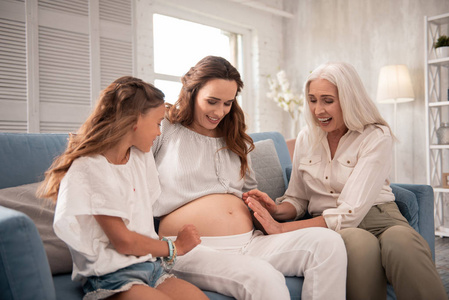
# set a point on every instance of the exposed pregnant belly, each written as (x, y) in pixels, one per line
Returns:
(213, 215)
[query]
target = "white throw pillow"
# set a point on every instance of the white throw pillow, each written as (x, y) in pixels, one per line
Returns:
(268, 170)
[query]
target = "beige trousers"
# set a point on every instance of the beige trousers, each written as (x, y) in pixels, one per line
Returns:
(386, 248)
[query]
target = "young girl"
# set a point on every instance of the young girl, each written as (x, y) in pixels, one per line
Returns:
(105, 184)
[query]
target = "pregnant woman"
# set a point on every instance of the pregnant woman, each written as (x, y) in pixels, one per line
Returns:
(204, 167)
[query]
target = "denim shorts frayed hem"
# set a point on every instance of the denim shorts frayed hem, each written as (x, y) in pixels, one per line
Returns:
(148, 273)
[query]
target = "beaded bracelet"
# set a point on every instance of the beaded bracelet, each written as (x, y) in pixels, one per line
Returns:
(169, 261)
(170, 246)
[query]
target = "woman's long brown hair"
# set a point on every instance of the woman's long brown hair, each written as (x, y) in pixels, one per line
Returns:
(233, 126)
(115, 113)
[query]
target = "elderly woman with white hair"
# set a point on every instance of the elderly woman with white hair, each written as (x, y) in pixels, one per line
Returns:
(341, 166)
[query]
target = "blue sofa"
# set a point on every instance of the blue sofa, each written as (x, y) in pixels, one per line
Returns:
(24, 267)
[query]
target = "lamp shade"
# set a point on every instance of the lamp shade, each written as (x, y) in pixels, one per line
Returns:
(394, 85)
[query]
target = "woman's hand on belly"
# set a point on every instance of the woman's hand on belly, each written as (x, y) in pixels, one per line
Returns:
(212, 215)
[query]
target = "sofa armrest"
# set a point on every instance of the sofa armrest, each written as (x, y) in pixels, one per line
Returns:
(24, 269)
(425, 198)
(407, 204)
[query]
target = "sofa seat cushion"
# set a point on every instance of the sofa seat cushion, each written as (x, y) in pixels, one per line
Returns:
(22, 198)
(66, 289)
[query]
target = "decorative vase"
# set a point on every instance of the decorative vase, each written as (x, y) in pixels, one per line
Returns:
(443, 134)
(442, 52)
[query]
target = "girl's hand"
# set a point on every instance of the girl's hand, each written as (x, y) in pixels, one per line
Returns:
(263, 216)
(188, 238)
(264, 200)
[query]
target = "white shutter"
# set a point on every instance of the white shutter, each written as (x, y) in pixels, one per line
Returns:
(116, 40)
(64, 65)
(64, 79)
(117, 11)
(78, 7)
(79, 43)
(13, 91)
(116, 60)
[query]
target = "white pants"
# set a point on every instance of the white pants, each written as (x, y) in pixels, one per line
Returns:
(253, 265)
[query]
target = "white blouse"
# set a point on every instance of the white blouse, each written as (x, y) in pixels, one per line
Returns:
(192, 165)
(345, 187)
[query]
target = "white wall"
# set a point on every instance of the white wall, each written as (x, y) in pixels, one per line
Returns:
(368, 34)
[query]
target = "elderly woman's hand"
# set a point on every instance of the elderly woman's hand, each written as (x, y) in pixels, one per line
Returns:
(262, 215)
(263, 199)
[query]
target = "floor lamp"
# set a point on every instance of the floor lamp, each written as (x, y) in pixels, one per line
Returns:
(394, 87)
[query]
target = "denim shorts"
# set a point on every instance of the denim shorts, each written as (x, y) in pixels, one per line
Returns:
(147, 273)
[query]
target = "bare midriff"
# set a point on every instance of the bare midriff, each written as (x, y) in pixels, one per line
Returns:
(213, 215)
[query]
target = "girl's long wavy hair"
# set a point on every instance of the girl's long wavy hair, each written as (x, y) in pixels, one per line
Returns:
(232, 127)
(116, 112)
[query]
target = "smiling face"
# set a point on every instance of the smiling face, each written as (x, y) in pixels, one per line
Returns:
(325, 106)
(148, 128)
(213, 102)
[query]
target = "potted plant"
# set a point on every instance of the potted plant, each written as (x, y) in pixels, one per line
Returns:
(442, 46)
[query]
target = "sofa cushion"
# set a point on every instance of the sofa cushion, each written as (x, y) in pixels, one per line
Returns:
(22, 198)
(26, 156)
(407, 204)
(267, 168)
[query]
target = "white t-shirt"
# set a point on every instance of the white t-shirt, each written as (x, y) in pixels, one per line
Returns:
(345, 187)
(93, 186)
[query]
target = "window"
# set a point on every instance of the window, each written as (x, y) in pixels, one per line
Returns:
(180, 44)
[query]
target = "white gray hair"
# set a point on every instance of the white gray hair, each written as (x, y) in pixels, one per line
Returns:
(357, 107)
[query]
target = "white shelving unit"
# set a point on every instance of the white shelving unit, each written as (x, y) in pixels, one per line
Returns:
(437, 111)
